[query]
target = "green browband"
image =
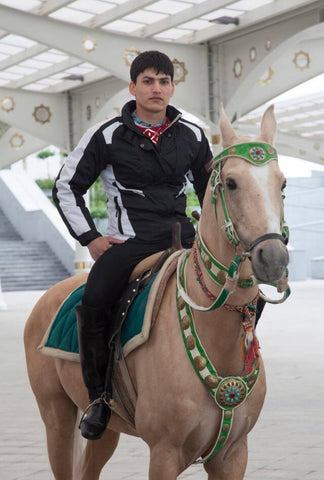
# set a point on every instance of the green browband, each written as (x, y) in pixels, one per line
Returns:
(257, 153)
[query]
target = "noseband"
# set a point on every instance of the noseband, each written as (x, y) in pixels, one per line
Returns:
(263, 238)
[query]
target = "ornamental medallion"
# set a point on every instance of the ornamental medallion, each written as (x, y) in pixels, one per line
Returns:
(180, 71)
(129, 55)
(301, 60)
(231, 392)
(16, 141)
(7, 103)
(42, 114)
(257, 153)
(237, 68)
(268, 45)
(252, 54)
(266, 77)
(89, 44)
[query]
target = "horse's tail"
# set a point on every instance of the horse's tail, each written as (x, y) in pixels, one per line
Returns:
(78, 448)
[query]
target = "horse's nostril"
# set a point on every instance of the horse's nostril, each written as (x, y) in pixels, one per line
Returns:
(260, 255)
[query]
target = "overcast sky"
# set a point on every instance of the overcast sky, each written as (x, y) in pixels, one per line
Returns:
(295, 167)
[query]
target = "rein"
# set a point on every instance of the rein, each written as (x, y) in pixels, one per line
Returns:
(232, 391)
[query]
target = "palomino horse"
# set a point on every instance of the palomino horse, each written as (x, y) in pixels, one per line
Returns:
(185, 409)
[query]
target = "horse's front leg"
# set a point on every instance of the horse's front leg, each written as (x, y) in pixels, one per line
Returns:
(96, 455)
(229, 464)
(165, 462)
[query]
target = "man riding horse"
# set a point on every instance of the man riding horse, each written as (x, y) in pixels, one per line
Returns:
(143, 158)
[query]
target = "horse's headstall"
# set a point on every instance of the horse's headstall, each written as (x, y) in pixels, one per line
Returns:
(257, 153)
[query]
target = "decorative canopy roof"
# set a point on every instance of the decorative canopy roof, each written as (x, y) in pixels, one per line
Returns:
(28, 63)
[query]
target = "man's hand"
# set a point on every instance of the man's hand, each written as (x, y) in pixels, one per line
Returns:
(99, 245)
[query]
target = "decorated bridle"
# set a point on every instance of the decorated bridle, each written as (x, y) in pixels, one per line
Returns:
(258, 154)
(231, 391)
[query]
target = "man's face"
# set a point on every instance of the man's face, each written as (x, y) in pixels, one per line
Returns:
(152, 91)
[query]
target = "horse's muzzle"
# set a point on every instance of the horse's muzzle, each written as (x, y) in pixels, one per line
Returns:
(269, 257)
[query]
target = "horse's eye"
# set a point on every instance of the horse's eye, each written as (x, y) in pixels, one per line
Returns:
(231, 184)
(283, 186)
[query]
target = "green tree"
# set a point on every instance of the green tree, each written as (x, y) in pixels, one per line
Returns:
(192, 203)
(44, 155)
(98, 200)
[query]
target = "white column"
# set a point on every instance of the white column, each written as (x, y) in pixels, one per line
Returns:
(83, 260)
(3, 305)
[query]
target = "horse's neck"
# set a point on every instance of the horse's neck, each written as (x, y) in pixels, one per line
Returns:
(220, 330)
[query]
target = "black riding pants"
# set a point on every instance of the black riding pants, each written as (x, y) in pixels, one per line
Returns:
(110, 273)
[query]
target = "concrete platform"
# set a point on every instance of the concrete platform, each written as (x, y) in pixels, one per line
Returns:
(287, 442)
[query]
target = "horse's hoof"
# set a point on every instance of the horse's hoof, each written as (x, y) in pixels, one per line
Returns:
(95, 421)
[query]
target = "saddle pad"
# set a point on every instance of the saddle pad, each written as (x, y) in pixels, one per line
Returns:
(61, 338)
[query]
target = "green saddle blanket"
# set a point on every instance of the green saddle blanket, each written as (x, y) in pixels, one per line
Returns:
(61, 339)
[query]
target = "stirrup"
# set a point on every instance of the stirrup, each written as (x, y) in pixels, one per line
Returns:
(104, 398)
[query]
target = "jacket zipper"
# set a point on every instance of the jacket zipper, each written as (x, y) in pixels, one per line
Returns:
(172, 123)
(118, 215)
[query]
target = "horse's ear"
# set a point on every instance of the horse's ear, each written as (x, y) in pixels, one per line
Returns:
(229, 136)
(268, 125)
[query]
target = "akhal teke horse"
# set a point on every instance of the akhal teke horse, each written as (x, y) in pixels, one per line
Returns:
(185, 407)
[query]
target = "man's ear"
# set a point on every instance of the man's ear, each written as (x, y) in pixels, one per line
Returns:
(132, 88)
(173, 89)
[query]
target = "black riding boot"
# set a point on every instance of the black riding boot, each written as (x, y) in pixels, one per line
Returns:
(94, 356)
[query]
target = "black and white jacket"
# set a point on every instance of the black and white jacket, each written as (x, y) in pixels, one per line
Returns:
(144, 183)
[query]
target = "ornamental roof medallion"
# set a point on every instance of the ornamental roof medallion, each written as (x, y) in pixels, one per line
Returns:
(7, 103)
(42, 114)
(16, 141)
(129, 55)
(266, 77)
(180, 71)
(301, 60)
(89, 44)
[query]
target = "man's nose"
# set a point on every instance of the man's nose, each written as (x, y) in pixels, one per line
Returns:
(157, 86)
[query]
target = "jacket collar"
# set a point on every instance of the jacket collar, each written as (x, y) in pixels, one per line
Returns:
(172, 113)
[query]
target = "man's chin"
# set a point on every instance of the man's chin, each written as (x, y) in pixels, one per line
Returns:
(156, 108)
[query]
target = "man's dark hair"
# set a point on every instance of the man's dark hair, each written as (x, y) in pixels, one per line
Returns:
(153, 59)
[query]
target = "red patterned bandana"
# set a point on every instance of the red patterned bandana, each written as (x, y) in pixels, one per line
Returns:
(153, 132)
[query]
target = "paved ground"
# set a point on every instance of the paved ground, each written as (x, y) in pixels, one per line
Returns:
(287, 443)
